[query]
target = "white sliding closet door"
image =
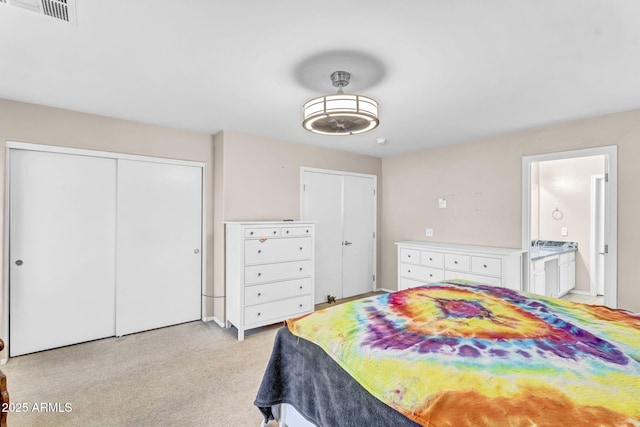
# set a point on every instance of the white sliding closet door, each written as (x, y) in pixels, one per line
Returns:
(158, 245)
(61, 250)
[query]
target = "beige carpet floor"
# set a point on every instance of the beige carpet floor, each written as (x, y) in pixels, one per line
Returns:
(194, 374)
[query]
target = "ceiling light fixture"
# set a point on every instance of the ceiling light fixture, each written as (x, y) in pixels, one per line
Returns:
(340, 114)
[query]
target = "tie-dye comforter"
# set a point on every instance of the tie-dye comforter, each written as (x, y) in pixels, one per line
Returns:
(464, 354)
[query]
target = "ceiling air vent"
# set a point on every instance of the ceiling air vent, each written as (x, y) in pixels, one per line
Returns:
(63, 10)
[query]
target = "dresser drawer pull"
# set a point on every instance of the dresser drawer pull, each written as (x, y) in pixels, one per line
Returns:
(408, 256)
(300, 287)
(300, 268)
(430, 275)
(259, 274)
(307, 231)
(408, 271)
(430, 259)
(455, 262)
(259, 314)
(274, 231)
(259, 294)
(259, 251)
(287, 232)
(300, 247)
(484, 265)
(251, 233)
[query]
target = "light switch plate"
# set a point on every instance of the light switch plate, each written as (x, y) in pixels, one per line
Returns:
(563, 231)
(429, 232)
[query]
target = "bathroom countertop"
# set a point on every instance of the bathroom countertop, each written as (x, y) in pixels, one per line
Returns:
(546, 248)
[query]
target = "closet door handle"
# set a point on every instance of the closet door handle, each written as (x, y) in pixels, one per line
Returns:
(19, 262)
(347, 243)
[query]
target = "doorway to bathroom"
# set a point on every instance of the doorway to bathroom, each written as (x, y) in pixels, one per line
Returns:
(569, 226)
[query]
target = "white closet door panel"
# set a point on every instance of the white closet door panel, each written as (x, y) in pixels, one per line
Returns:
(62, 231)
(322, 202)
(357, 269)
(159, 245)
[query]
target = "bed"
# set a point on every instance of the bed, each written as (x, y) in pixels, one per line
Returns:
(456, 353)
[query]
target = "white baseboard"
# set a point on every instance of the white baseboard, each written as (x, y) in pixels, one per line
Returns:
(213, 318)
(384, 290)
(573, 291)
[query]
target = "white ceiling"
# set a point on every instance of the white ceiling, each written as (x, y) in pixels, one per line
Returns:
(443, 71)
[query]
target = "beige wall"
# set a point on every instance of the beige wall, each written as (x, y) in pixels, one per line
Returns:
(482, 184)
(52, 126)
(258, 179)
(261, 181)
(565, 184)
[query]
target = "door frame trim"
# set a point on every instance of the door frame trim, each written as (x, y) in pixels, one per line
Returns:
(593, 227)
(16, 145)
(610, 153)
(304, 169)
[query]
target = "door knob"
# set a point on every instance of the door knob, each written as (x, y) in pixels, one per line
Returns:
(346, 243)
(196, 251)
(19, 262)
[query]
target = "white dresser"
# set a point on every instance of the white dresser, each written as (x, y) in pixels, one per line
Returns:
(426, 262)
(269, 272)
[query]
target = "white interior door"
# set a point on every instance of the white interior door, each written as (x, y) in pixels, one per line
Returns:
(322, 202)
(61, 249)
(343, 205)
(358, 229)
(158, 245)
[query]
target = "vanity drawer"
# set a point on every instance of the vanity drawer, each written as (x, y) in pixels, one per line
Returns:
(456, 262)
(431, 259)
(268, 292)
(421, 273)
(265, 250)
(276, 272)
(486, 265)
(538, 265)
(262, 232)
(263, 313)
(296, 231)
(566, 257)
(411, 256)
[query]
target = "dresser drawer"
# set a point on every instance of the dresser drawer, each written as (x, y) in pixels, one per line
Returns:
(259, 294)
(296, 231)
(276, 272)
(421, 273)
(265, 250)
(456, 262)
(493, 281)
(486, 265)
(262, 232)
(263, 313)
(431, 259)
(411, 256)
(408, 283)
